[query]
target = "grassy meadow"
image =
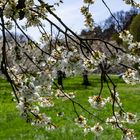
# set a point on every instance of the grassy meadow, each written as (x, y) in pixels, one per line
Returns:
(12, 127)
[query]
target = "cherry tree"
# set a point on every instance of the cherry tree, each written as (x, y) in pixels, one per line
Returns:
(33, 65)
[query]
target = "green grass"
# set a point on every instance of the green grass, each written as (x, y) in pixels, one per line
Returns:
(12, 127)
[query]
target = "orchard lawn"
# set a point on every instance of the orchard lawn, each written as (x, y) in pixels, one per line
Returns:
(12, 127)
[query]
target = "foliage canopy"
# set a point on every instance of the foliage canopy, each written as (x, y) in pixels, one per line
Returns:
(135, 28)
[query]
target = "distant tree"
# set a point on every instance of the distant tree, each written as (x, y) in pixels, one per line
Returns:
(135, 28)
(121, 19)
(60, 78)
(15, 36)
(107, 33)
(96, 33)
(85, 78)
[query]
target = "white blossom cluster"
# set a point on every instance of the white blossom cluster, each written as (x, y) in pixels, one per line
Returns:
(93, 61)
(97, 129)
(97, 101)
(128, 134)
(31, 98)
(127, 37)
(120, 118)
(114, 99)
(64, 96)
(81, 121)
(35, 91)
(133, 3)
(131, 76)
(88, 16)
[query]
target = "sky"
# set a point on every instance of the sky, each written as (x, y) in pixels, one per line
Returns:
(69, 12)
